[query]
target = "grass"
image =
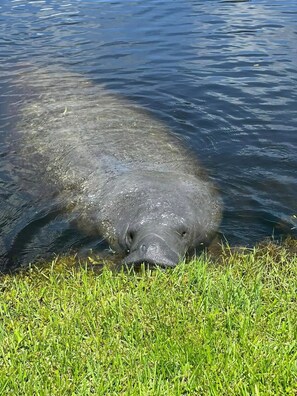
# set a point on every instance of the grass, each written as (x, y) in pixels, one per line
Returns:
(204, 328)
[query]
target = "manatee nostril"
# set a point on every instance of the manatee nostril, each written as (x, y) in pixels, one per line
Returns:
(143, 248)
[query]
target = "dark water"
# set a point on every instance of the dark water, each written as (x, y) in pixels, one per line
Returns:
(221, 74)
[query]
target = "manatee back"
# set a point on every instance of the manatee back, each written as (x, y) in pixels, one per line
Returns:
(76, 131)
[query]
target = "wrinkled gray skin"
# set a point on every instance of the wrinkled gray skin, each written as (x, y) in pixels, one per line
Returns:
(117, 170)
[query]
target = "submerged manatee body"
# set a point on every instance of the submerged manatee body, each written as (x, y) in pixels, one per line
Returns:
(118, 171)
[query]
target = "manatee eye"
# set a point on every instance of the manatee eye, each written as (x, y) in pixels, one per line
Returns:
(183, 232)
(129, 237)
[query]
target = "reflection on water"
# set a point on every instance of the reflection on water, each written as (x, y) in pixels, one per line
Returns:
(221, 74)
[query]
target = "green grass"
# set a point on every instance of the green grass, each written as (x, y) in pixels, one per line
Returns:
(205, 328)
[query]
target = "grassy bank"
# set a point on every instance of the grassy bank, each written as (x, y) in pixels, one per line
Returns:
(205, 328)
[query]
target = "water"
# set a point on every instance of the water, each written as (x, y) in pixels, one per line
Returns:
(221, 74)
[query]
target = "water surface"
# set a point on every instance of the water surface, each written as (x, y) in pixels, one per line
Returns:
(221, 74)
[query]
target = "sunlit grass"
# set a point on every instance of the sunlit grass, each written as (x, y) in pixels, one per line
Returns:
(204, 328)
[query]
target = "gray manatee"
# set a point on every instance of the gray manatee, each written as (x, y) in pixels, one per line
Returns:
(116, 170)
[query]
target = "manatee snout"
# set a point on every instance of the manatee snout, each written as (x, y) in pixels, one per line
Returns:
(152, 249)
(154, 245)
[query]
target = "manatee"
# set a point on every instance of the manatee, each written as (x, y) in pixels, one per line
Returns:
(116, 170)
